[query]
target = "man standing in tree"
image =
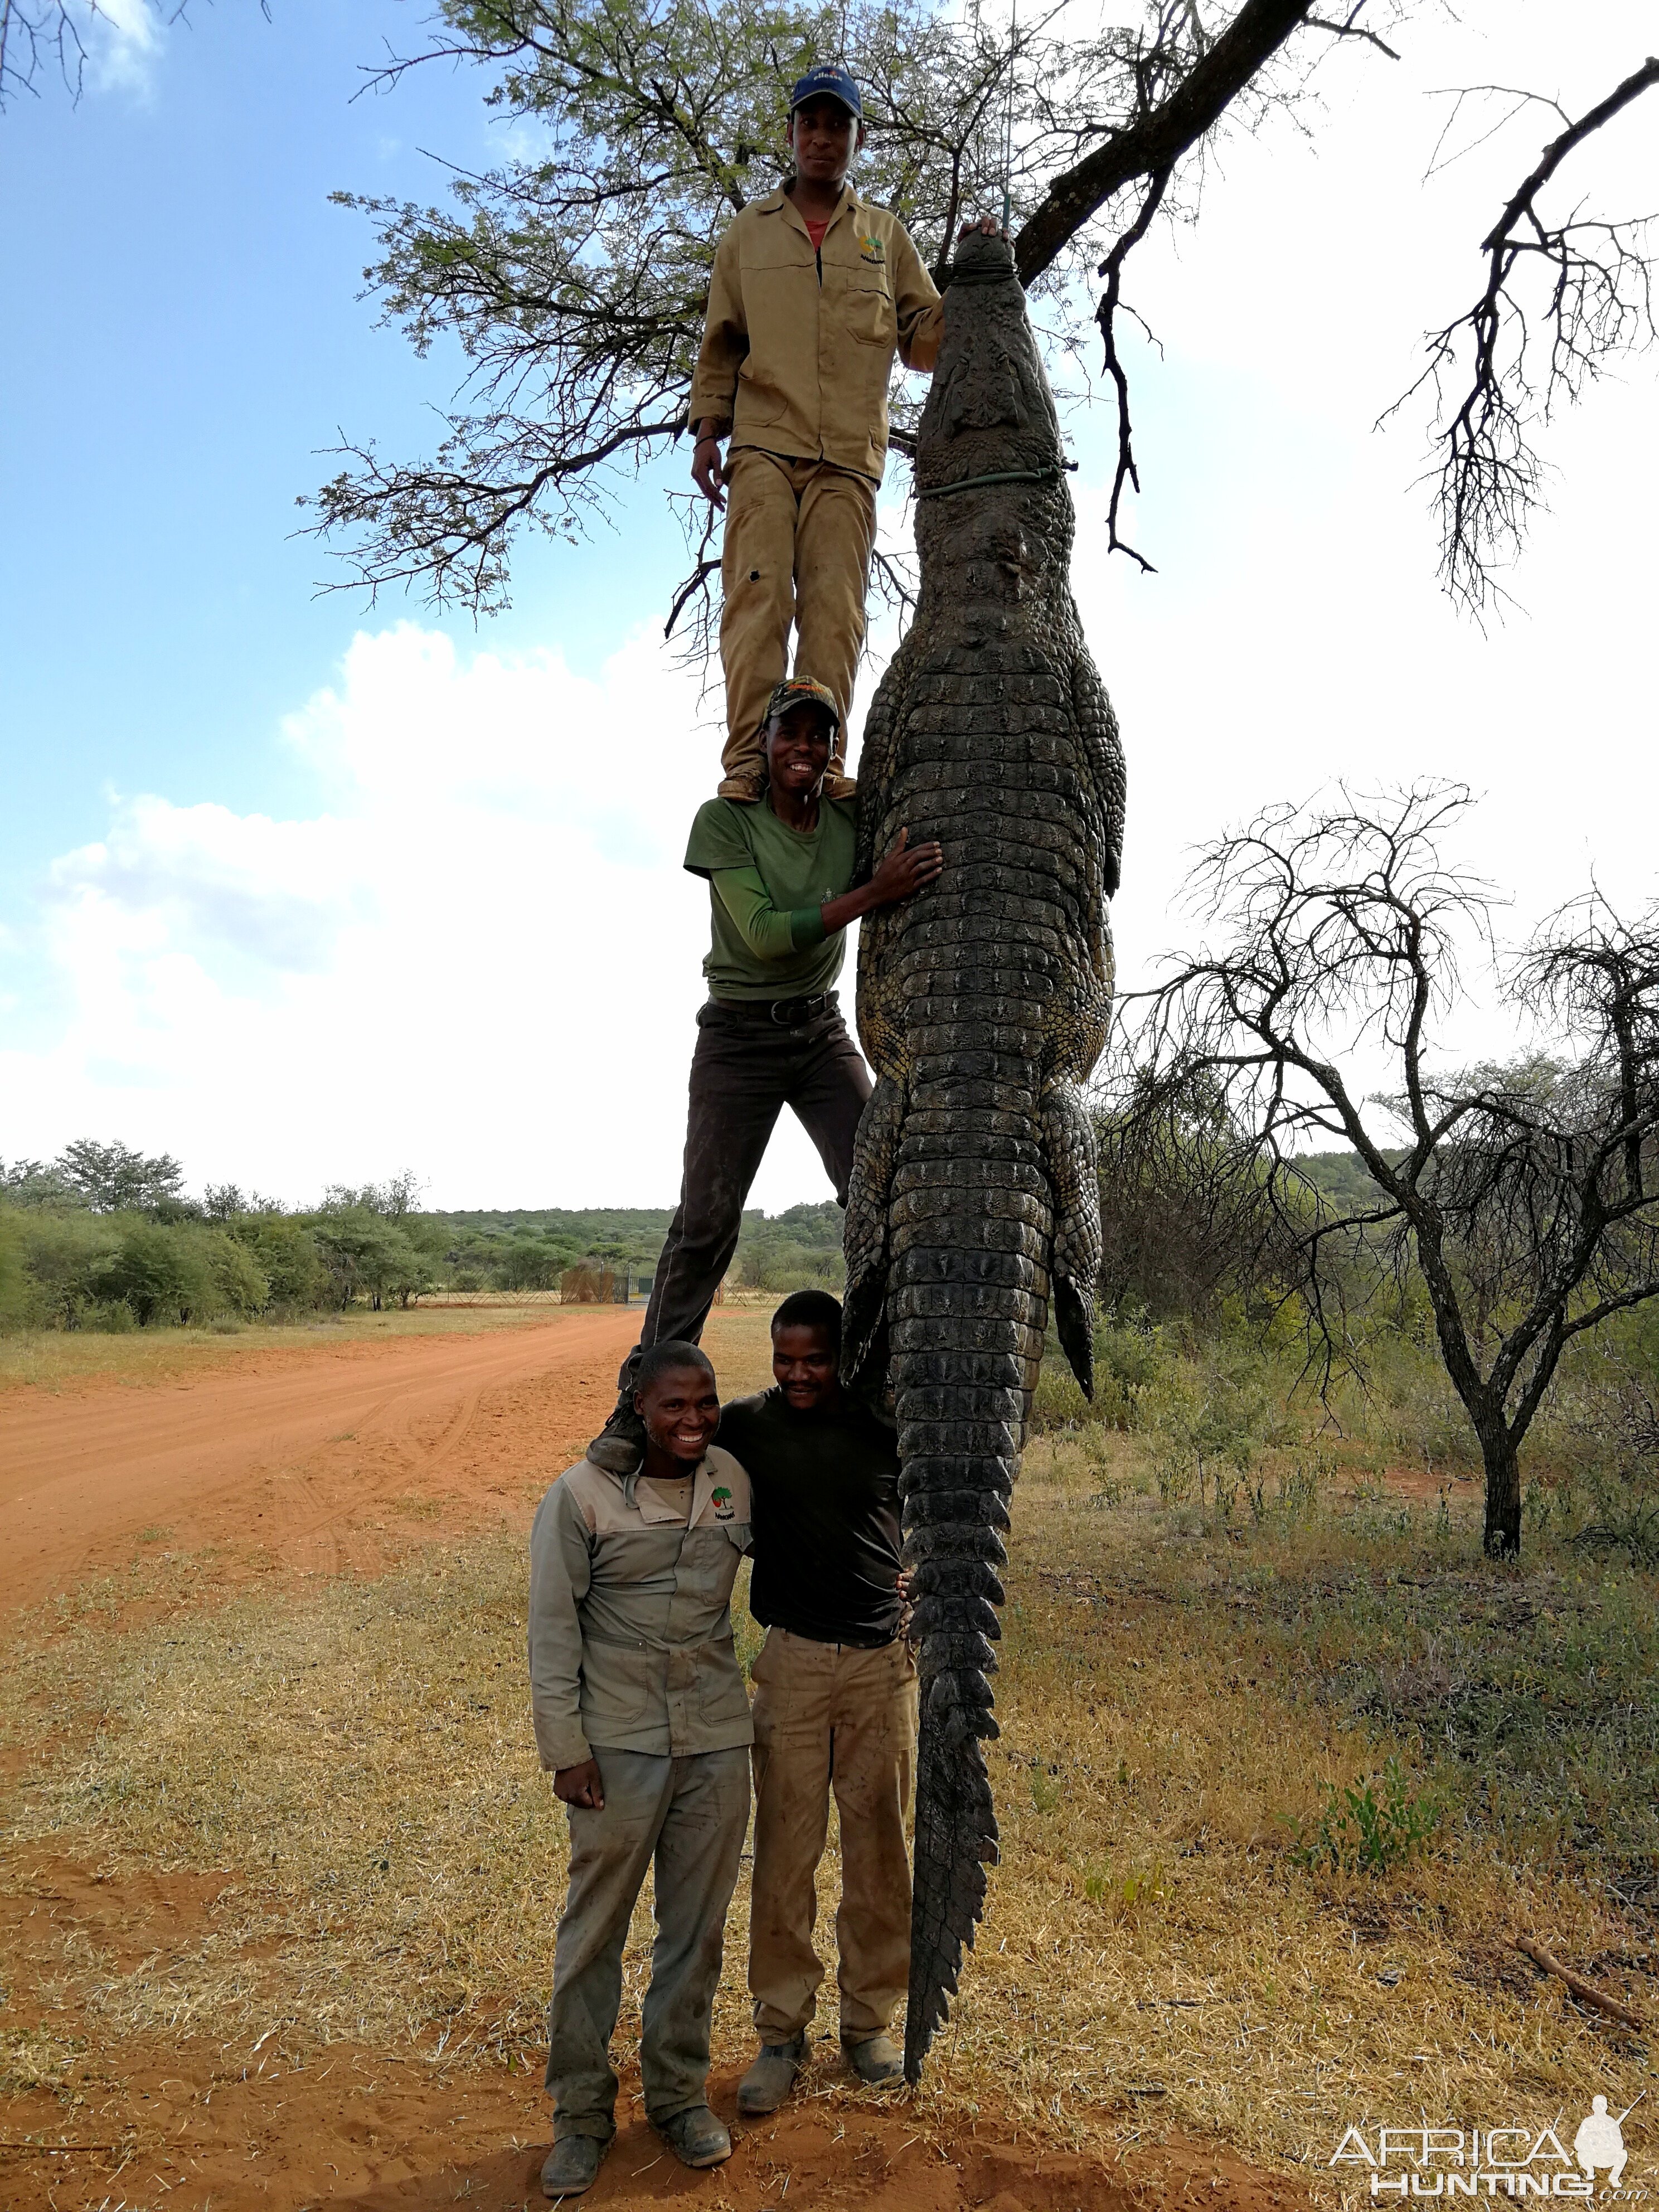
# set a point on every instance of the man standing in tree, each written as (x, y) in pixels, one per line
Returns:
(813, 292)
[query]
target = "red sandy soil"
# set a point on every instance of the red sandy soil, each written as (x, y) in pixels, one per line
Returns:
(287, 1460)
(199, 2127)
(294, 1450)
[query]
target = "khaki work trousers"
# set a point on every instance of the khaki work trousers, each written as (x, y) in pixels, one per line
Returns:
(799, 535)
(831, 1716)
(685, 1818)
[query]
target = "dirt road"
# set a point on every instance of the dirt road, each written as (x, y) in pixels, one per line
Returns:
(292, 1456)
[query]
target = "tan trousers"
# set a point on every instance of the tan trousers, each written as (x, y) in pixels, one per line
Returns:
(830, 1716)
(799, 535)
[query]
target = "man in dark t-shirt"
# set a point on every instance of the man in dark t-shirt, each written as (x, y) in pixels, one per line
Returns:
(835, 1703)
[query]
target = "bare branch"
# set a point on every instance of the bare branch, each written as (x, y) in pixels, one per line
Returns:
(1350, 29)
(1598, 303)
(1106, 315)
(1159, 137)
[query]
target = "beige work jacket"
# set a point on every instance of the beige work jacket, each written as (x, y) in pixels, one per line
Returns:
(798, 347)
(630, 1613)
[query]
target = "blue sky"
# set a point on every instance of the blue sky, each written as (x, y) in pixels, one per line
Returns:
(305, 892)
(190, 337)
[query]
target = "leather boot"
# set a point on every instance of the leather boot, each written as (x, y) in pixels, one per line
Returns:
(697, 2137)
(619, 1446)
(876, 2059)
(572, 2164)
(771, 2077)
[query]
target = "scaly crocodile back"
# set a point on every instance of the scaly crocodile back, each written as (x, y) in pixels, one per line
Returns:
(982, 1003)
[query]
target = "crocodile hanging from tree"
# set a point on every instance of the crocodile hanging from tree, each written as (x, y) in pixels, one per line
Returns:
(982, 1006)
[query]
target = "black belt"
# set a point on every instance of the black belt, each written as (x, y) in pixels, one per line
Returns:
(782, 1014)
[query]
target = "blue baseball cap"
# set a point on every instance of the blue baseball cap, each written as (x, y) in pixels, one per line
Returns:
(828, 82)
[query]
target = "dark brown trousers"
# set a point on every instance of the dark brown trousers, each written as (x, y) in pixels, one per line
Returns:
(745, 1070)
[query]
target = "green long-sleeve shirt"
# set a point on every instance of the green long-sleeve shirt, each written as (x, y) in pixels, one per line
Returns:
(768, 884)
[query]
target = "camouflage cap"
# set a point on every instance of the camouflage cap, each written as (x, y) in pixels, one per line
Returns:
(801, 691)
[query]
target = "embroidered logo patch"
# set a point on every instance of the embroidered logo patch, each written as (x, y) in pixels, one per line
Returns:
(872, 249)
(722, 1506)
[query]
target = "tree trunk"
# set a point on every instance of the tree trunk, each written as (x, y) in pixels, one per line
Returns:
(1502, 1466)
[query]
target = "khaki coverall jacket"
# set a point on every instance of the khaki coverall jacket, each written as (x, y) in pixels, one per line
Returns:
(630, 1613)
(798, 347)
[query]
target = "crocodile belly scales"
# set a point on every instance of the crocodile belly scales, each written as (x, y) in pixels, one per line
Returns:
(983, 1004)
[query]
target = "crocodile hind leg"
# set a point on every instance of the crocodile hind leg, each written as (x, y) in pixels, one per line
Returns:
(864, 1307)
(1069, 1148)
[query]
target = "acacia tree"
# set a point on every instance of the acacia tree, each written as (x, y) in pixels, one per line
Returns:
(574, 275)
(1526, 1193)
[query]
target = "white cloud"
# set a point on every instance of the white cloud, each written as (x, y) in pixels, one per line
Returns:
(483, 959)
(122, 40)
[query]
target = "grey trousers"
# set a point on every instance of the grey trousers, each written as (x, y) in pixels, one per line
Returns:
(744, 1072)
(688, 1816)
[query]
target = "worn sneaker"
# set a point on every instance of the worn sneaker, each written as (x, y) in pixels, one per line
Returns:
(572, 2164)
(876, 2059)
(620, 1445)
(697, 2137)
(771, 2077)
(747, 790)
(840, 786)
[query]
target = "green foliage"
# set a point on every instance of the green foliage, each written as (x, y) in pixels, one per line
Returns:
(1131, 1355)
(14, 1286)
(116, 1179)
(1361, 1831)
(241, 1283)
(530, 1263)
(801, 1249)
(179, 1274)
(63, 1254)
(36, 1182)
(368, 1256)
(285, 1251)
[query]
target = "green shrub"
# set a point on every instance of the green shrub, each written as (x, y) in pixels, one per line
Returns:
(286, 1254)
(15, 1287)
(367, 1256)
(240, 1283)
(62, 1255)
(162, 1273)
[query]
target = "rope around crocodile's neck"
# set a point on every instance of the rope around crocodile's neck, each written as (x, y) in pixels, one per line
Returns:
(1050, 474)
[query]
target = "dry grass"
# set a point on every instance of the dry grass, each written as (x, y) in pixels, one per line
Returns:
(59, 1360)
(1174, 1695)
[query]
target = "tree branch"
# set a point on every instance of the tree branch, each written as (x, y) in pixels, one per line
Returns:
(1600, 302)
(1157, 139)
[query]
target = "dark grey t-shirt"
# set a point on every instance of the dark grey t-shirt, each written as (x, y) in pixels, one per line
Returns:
(824, 1516)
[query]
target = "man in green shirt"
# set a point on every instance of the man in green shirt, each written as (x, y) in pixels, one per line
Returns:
(780, 887)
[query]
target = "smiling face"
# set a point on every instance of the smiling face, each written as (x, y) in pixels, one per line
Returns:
(681, 1411)
(797, 751)
(824, 137)
(806, 1364)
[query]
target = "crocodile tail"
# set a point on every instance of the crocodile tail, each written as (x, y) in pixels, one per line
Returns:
(972, 1225)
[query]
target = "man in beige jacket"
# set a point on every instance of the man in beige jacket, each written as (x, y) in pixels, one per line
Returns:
(643, 1718)
(813, 292)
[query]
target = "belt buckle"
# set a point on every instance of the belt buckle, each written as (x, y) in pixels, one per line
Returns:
(779, 1011)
